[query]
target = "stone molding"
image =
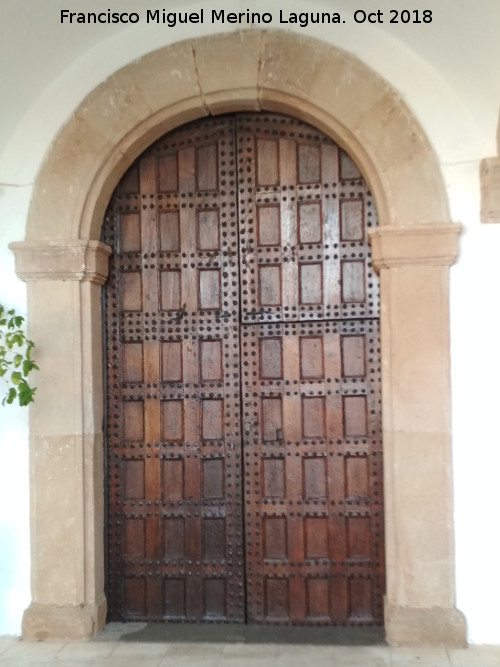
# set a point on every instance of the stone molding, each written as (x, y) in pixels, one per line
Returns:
(430, 245)
(489, 173)
(62, 260)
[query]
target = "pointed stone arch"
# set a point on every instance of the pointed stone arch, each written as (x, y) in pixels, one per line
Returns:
(65, 265)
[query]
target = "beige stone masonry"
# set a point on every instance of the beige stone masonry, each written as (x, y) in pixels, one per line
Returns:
(63, 621)
(64, 264)
(64, 280)
(272, 70)
(226, 87)
(413, 264)
(60, 260)
(418, 627)
(66, 461)
(423, 244)
(490, 189)
(489, 174)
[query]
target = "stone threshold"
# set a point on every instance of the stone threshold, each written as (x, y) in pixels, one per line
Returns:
(229, 633)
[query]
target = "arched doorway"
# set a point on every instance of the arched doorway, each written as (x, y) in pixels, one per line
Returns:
(65, 266)
(244, 405)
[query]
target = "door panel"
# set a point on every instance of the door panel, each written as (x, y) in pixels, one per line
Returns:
(303, 215)
(310, 377)
(313, 471)
(175, 542)
(278, 388)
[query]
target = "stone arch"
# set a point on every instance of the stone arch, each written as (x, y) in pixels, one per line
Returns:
(65, 265)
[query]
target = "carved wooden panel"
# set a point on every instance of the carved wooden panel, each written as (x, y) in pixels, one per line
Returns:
(313, 472)
(175, 527)
(304, 213)
(243, 416)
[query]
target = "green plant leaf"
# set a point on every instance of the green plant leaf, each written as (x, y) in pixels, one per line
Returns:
(15, 353)
(28, 366)
(16, 377)
(11, 396)
(26, 393)
(14, 338)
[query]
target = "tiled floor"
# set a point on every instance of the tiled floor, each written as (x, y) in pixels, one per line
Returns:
(108, 651)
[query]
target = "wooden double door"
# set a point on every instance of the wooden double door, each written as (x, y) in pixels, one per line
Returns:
(244, 470)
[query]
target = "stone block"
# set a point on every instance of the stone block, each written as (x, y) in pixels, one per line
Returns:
(407, 626)
(490, 189)
(228, 69)
(290, 63)
(43, 621)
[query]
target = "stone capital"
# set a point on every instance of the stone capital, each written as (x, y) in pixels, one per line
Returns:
(426, 244)
(73, 259)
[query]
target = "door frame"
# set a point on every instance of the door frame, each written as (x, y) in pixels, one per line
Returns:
(65, 266)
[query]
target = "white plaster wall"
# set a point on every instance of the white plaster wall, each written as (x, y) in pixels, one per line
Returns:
(443, 71)
(475, 320)
(14, 487)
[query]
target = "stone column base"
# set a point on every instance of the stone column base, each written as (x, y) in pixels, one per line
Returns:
(407, 626)
(47, 621)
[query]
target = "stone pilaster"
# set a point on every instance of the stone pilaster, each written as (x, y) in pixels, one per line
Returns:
(67, 514)
(420, 596)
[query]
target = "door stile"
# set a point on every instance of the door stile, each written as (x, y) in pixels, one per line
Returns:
(151, 369)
